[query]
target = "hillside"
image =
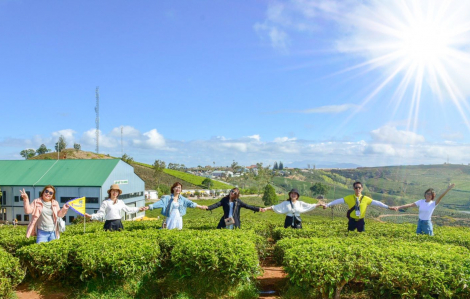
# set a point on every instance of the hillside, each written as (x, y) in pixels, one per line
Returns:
(410, 182)
(144, 171)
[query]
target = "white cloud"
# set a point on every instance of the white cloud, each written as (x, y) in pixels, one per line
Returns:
(255, 137)
(127, 131)
(452, 136)
(151, 139)
(389, 134)
(89, 138)
(284, 139)
(386, 147)
(68, 134)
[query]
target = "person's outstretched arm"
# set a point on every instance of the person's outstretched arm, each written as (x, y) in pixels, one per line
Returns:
(214, 206)
(335, 202)
(100, 214)
(246, 206)
(406, 206)
(382, 205)
(444, 194)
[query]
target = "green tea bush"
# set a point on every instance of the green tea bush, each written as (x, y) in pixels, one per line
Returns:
(407, 269)
(11, 273)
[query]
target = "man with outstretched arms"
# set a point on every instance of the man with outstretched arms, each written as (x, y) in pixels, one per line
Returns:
(357, 204)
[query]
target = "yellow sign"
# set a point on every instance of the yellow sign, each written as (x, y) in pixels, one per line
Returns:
(78, 205)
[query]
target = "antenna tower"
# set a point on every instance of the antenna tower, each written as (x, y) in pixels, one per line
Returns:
(97, 120)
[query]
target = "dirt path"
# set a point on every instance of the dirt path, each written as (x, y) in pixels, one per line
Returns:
(273, 279)
(23, 292)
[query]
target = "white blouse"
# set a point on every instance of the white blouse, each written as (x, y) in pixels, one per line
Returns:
(299, 207)
(111, 211)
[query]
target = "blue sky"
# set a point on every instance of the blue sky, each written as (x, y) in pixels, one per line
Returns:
(198, 82)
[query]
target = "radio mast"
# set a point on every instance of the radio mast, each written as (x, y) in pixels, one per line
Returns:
(97, 120)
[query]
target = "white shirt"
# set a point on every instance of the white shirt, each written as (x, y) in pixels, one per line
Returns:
(299, 207)
(111, 211)
(425, 208)
(341, 201)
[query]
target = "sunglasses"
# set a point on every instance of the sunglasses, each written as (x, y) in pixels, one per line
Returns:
(428, 193)
(233, 191)
(48, 192)
(357, 187)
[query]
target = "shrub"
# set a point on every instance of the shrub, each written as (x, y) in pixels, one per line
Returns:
(11, 273)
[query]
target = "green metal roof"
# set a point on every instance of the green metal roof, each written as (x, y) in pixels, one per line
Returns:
(56, 172)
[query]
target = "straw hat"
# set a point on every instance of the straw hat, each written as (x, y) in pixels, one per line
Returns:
(114, 187)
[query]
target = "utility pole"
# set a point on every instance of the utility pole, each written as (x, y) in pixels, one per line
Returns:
(97, 120)
(122, 151)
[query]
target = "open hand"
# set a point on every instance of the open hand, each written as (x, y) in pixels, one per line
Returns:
(24, 195)
(451, 186)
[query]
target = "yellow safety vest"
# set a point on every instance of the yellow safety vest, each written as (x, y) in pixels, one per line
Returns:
(350, 200)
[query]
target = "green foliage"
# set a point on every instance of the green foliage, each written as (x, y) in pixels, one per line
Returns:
(28, 153)
(269, 196)
(42, 150)
(163, 190)
(11, 273)
(127, 159)
(384, 266)
(158, 167)
(61, 144)
(195, 180)
(319, 188)
(77, 146)
(207, 183)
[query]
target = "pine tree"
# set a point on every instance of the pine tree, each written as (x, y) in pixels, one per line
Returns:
(281, 166)
(275, 166)
(269, 196)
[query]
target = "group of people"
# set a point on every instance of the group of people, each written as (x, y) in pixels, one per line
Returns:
(45, 210)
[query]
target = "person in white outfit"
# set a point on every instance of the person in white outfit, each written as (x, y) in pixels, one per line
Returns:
(426, 208)
(292, 207)
(111, 209)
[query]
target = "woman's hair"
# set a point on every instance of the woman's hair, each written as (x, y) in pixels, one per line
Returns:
(174, 185)
(238, 193)
(51, 187)
(432, 191)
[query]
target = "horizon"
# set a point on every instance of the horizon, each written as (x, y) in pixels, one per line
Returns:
(360, 82)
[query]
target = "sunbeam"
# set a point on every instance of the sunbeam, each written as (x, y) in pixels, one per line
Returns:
(427, 42)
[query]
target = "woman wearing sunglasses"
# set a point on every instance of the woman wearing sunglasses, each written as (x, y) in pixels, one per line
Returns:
(231, 205)
(45, 213)
(426, 208)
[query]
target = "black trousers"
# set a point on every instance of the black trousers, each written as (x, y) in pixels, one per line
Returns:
(288, 222)
(358, 224)
(112, 225)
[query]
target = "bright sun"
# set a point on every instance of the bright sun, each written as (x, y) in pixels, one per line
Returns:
(420, 42)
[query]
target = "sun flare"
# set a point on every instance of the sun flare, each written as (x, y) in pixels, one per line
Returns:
(422, 43)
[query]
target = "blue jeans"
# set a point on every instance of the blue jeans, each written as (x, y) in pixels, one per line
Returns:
(44, 236)
(424, 227)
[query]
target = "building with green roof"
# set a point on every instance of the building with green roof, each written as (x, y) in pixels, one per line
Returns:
(72, 179)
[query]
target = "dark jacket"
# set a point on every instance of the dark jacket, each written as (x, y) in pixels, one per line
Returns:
(237, 204)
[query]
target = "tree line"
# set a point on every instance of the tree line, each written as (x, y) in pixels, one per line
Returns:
(60, 145)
